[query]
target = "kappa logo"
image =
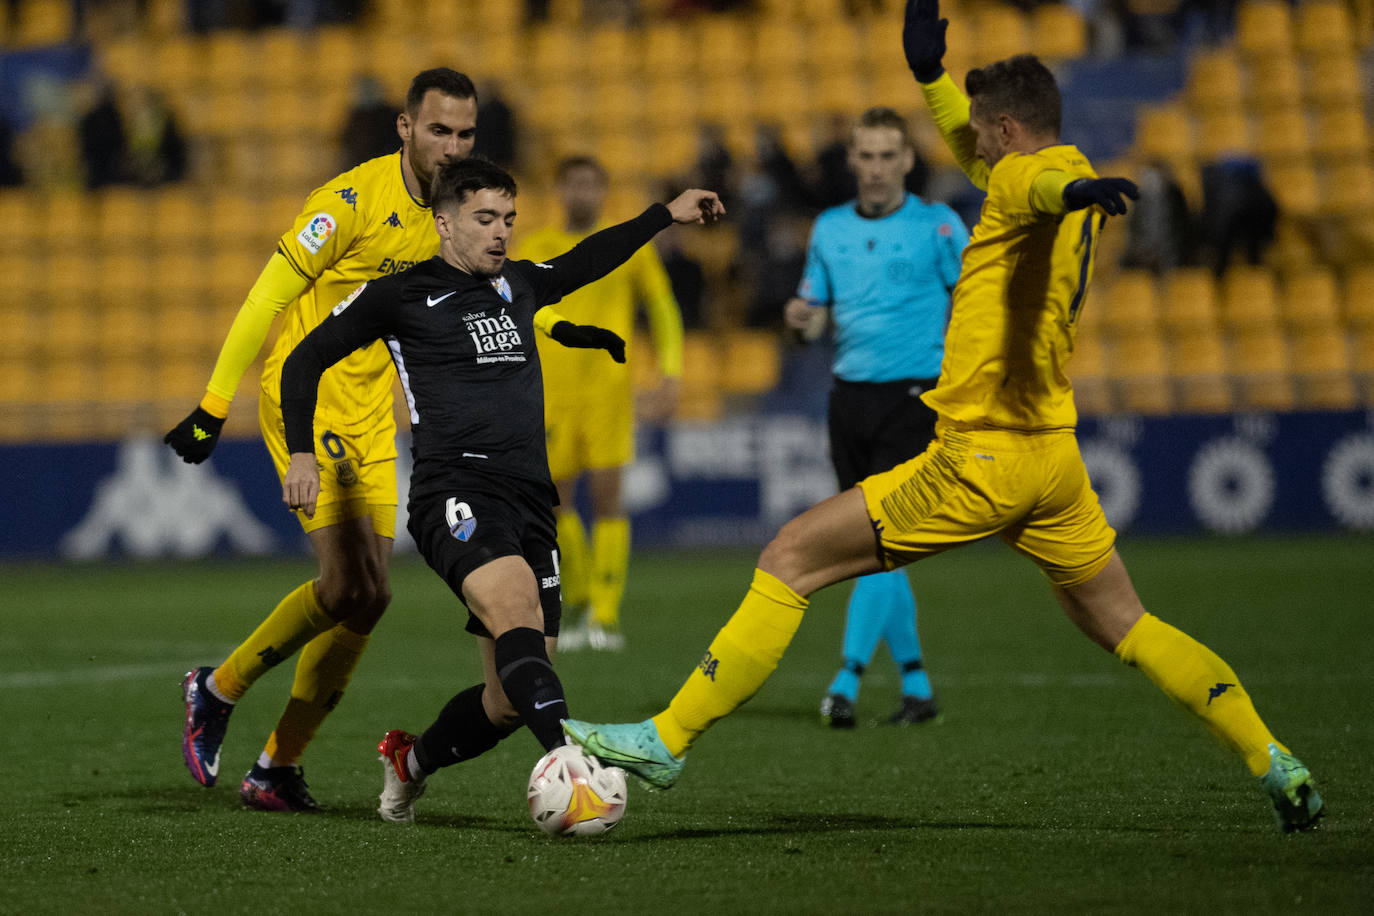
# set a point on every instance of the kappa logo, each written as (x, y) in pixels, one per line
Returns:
(393, 220)
(708, 665)
(317, 231)
(1218, 690)
(461, 523)
(432, 301)
(350, 197)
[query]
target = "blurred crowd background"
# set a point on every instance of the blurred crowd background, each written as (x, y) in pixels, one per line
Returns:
(152, 152)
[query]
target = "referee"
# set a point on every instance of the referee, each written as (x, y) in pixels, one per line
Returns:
(460, 328)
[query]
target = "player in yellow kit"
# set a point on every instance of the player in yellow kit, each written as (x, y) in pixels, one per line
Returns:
(368, 222)
(589, 406)
(1005, 460)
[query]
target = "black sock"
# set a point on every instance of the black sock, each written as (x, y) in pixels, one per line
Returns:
(461, 732)
(530, 683)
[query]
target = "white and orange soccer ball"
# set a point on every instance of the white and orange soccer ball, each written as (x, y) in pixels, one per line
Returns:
(572, 794)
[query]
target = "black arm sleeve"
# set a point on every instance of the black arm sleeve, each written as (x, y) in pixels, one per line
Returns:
(340, 334)
(595, 256)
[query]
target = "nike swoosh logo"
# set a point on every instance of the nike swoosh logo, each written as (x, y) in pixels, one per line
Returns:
(212, 768)
(432, 301)
(546, 703)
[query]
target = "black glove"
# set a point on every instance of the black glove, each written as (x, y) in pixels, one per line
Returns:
(1107, 193)
(923, 39)
(194, 438)
(589, 337)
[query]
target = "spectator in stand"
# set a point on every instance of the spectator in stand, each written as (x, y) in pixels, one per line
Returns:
(10, 173)
(715, 167)
(104, 148)
(497, 138)
(156, 148)
(685, 275)
(1160, 225)
(369, 129)
(1238, 211)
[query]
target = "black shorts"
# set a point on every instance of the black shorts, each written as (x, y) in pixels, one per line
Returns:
(463, 518)
(875, 426)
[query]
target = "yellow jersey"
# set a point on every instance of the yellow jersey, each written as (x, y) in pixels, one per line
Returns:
(362, 225)
(1025, 271)
(570, 375)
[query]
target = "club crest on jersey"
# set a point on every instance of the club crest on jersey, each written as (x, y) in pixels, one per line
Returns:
(461, 523)
(317, 232)
(502, 287)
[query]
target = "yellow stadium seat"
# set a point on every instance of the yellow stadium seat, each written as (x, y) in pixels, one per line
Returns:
(1264, 27)
(124, 381)
(1295, 187)
(1321, 368)
(1362, 360)
(554, 55)
(124, 218)
(1058, 32)
(20, 215)
(1320, 25)
(338, 48)
(1333, 80)
(126, 276)
(1340, 134)
(783, 97)
(72, 335)
(1087, 371)
(1249, 299)
(835, 48)
(752, 362)
(701, 370)
(284, 59)
(1215, 81)
(1140, 371)
(1001, 31)
(1221, 132)
(1357, 295)
(178, 64)
(721, 43)
(233, 60)
(1310, 300)
(65, 222)
(1198, 364)
(125, 329)
(1189, 301)
(613, 54)
(1259, 360)
(673, 103)
(1349, 189)
(559, 106)
(779, 46)
(18, 379)
(1281, 136)
(43, 22)
(1276, 83)
(1164, 131)
(1131, 305)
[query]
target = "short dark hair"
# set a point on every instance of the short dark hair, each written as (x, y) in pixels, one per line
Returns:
(882, 116)
(454, 181)
(449, 82)
(572, 163)
(1021, 87)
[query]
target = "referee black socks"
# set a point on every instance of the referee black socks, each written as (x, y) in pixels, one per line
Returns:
(527, 676)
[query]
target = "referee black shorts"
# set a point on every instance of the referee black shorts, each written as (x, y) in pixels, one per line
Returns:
(875, 426)
(463, 518)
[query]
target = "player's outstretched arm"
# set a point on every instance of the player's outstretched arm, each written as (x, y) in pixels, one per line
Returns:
(589, 337)
(1108, 193)
(696, 206)
(923, 39)
(923, 43)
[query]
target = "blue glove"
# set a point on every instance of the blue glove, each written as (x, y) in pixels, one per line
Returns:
(194, 438)
(589, 337)
(1108, 193)
(923, 39)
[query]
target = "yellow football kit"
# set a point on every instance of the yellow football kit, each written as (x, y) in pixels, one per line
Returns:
(361, 225)
(1005, 460)
(588, 401)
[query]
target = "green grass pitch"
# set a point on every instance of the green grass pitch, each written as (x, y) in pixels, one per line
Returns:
(1059, 780)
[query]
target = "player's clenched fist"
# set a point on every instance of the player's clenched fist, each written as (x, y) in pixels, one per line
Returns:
(300, 488)
(696, 206)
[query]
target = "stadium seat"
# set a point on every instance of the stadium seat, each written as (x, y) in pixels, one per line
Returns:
(125, 275)
(125, 329)
(178, 65)
(1264, 27)
(18, 378)
(1198, 366)
(20, 214)
(1215, 81)
(1275, 83)
(779, 46)
(1259, 361)
(721, 45)
(1295, 186)
(554, 55)
(286, 55)
(233, 60)
(71, 336)
(1348, 189)
(1087, 370)
(1321, 369)
(614, 55)
(701, 370)
(1362, 360)
(1333, 80)
(1340, 134)
(43, 22)
(752, 361)
(1140, 372)
(785, 98)
(1058, 32)
(1248, 299)
(340, 47)
(1001, 31)
(1221, 132)
(1131, 306)
(124, 381)
(1281, 136)
(672, 103)
(1309, 300)
(1189, 301)
(1357, 295)
(835, 48)
(1320, 25)
(1164, 131)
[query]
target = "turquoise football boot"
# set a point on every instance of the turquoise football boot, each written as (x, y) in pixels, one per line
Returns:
(1290, 785)
(634, 747)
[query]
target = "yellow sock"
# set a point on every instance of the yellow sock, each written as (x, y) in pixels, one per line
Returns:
(610, 561)
(298, 619)
(572, 558)
(1196, 678)
(324, 669)
(743, 654)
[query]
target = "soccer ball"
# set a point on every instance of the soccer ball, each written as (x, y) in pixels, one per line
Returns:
(572, 794)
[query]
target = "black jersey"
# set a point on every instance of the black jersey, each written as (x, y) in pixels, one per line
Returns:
(464, 350)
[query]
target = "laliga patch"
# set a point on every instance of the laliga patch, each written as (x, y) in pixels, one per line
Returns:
(317, 232)
(461, 523)
(348, 300)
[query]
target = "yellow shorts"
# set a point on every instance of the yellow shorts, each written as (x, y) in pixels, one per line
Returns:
(1029, 489)
(357, 471)
(596, 433)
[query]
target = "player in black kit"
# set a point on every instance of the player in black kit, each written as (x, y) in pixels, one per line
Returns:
(460, 328)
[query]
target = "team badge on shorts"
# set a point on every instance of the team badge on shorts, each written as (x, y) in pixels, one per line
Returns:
(347, 475)
(461, 523)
